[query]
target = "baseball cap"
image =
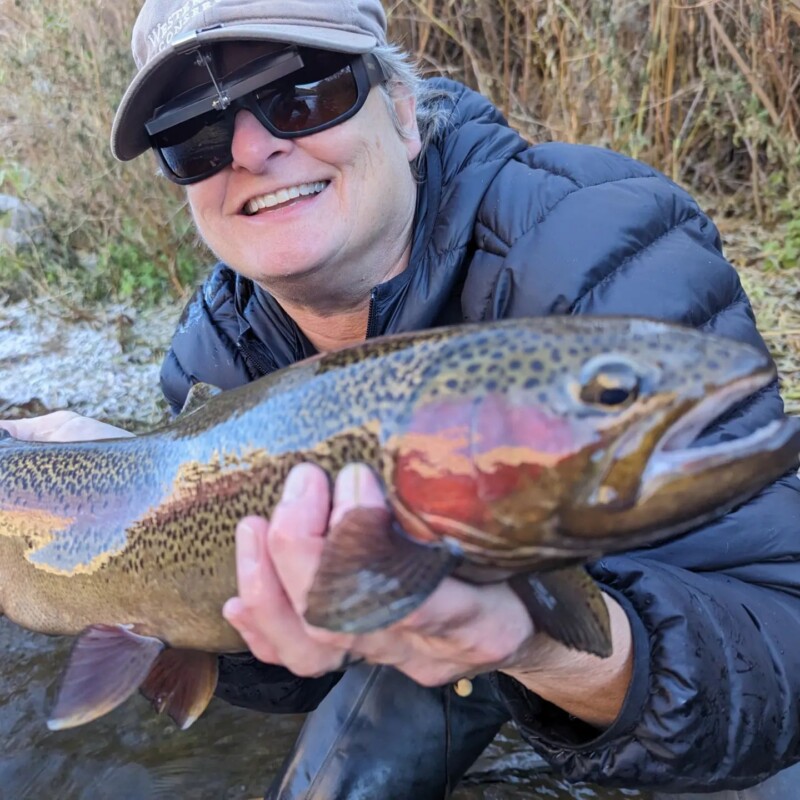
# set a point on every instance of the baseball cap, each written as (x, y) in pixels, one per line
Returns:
(166, 30)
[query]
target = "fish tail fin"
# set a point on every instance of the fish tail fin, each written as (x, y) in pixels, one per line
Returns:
(372, 574)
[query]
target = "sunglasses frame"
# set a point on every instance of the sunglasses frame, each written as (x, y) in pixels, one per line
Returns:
(241, 94)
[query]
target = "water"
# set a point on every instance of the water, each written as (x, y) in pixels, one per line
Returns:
(228, 754)
(132, 754)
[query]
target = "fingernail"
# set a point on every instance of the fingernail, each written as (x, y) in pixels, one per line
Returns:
(296, 483)
(349, 482)
(246, 544)
(229, 609)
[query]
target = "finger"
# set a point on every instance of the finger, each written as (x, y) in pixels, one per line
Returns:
(263, 614)
(61, 426)
(297, 528)
(255, 582)
(34, 428)
(237, 614)
(356, 485)
(471, 626)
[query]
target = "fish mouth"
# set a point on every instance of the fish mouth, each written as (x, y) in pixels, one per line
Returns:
(674, 453)
(682, 484)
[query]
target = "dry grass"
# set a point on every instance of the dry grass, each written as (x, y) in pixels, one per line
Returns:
(64, 65)
(775, 294)
(706, 90)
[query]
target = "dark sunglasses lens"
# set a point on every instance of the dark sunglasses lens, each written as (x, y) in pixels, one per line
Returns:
(197, 147)
(300, 107)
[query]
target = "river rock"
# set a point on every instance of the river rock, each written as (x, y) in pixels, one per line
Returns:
(22, 225)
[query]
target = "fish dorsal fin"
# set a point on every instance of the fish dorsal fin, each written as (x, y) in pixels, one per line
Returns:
(107, 665)
(181, 683)
(372, 574)
(568, 606)
(198, 396)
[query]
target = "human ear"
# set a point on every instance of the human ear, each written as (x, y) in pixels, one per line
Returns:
(405, 106)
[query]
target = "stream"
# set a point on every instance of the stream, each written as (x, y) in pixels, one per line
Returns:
(103, 363)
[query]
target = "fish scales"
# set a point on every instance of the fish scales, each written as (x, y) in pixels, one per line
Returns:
(160, 510)
(509, 449)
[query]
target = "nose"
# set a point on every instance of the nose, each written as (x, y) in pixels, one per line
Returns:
(253, 145)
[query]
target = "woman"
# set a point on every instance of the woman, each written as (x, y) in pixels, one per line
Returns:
(346, 199)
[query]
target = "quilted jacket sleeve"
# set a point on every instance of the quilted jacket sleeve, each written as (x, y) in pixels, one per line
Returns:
(715, 614)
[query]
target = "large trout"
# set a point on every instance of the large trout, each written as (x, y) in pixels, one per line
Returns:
(516, 450)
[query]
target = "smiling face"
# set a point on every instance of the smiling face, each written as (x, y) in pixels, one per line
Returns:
(317, 219)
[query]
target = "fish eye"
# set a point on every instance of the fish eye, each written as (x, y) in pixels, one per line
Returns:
(609, 382)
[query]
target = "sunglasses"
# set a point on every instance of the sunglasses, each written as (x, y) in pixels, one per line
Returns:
(293, 93)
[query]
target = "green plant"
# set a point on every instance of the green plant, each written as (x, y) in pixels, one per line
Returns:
(784, 252)
(704, 91)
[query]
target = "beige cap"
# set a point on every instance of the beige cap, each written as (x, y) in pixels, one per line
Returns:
(166, 29)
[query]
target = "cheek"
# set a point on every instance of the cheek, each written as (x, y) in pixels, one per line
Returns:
(202, 202)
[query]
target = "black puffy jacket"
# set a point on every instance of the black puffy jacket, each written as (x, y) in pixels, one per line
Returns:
(506, 230)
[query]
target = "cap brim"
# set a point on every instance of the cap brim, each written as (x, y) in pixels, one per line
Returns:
(146, 91)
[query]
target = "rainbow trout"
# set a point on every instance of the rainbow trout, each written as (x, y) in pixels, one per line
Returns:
(517, 450)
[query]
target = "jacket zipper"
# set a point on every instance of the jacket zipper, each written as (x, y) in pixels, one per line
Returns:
(253, 360)
(372, 317)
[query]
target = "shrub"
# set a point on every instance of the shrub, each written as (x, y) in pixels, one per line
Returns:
(707, 92)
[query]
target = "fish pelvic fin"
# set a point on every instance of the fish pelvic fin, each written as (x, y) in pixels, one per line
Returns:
(372, 574)
(181, 683)
(568, 606)
(106, 666)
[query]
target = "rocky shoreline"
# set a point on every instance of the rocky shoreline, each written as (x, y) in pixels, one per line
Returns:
(101, 361)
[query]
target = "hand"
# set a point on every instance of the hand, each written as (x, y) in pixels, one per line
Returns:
(461, 630)
(61, 426)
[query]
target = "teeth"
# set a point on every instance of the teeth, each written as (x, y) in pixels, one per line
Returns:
(283, 196)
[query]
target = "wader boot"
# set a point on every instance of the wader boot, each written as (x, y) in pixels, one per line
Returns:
(378, 734)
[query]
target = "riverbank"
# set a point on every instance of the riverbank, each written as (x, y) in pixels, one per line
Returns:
(103, 360)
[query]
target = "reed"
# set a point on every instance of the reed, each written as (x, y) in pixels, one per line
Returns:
(708, 92)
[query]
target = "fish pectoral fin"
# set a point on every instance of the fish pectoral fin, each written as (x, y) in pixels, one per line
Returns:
(568, 606)
(199, 394)
(182, 683)
(372, 574)
(106, 666)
